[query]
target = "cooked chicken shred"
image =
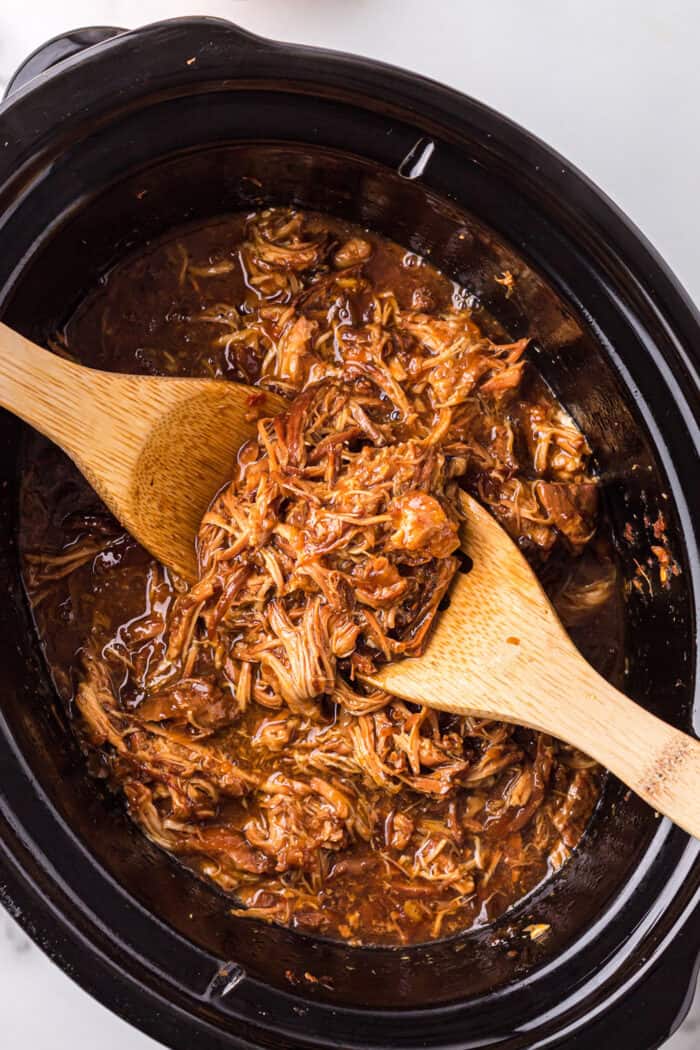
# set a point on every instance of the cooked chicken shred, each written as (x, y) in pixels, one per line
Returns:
(232, 714)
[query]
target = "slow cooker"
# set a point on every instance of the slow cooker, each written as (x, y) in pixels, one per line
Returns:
(108, 138)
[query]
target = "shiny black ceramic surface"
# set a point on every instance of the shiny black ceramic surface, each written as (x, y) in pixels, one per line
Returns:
(130, 134)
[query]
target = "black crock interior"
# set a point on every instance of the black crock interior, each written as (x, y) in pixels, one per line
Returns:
(185, 156)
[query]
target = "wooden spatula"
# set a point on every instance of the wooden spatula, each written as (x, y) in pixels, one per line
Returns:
(156, 450)
(499, 651)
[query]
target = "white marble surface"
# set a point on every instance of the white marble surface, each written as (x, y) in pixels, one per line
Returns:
(613, 85)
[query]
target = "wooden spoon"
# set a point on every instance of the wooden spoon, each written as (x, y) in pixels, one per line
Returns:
(156, 450)
(499, 651)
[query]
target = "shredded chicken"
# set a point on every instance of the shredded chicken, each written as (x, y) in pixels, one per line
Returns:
(232, 714)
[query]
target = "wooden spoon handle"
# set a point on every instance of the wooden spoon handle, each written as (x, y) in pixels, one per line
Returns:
(659, 762)
(100, 419)
(45, 390)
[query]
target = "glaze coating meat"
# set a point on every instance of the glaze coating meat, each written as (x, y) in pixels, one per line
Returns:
(231, 715)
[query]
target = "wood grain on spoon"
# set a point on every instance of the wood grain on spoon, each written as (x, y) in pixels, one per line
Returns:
(157, 449)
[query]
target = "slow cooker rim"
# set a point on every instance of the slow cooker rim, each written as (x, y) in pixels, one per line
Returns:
(362, 68)
(356, 76)
(185, 23)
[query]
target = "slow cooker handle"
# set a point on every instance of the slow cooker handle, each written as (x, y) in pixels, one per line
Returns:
(56, 50)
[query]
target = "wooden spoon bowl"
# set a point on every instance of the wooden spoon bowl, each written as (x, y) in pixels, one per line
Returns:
(155, 449)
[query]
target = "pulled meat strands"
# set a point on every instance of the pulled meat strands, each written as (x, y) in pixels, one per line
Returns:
(252, 750)
(420, 524)
(192, 701)
(311, 569)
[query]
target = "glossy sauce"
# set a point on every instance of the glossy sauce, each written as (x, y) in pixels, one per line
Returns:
(413, 864)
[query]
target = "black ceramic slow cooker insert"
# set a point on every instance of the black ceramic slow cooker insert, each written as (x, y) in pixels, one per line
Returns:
(129, 134)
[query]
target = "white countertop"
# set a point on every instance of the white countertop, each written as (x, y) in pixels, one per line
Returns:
(613, 85)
